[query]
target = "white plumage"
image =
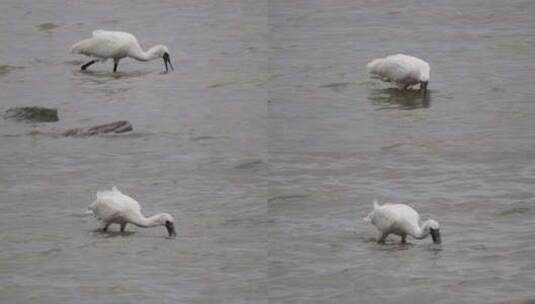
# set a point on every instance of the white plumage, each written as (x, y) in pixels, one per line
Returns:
(402, 220)
(403, 70)
(117, 45)
(114, 207)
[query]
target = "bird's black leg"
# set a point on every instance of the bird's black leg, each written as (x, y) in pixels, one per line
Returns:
(404, 239)
(115, 64)
(122, 227)
(103, 226)
(84, 67)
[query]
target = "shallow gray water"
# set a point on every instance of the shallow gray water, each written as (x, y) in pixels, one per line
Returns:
(268, 144)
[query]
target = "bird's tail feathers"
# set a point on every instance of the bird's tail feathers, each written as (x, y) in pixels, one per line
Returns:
(101, 194)
(91, 208)
(79, 46)
(375, 206)
(84, 47)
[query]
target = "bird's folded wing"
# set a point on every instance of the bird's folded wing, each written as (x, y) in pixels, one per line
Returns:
(395, 71)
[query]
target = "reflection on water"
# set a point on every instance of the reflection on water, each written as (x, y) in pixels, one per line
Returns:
(336, 86)
(75, 61)
(103, 76)
(400, 99)
(393, 245)
(111, 234)
(108, 85)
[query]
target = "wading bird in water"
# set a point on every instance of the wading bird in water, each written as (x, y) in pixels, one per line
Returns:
(403, 70)
(114, 207)
(402, 220)
(118, 45)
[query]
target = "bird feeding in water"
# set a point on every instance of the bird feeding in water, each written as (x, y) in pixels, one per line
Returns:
(402, 220)
(118, 45)
(403, 70)
(114, 207)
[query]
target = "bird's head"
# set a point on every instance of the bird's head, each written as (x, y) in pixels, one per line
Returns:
(168, 221)
(433, 228)
(423, 85)
(163, 52)
(424, 77)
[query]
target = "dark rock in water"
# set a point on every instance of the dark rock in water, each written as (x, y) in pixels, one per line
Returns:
(4, 69)
(34, 114)
(47, 26)
(113, 127)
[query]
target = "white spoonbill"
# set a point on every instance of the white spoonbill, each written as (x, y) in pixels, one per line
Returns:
(113, 207)
(118, 45)
(403, 70)
(402, 220)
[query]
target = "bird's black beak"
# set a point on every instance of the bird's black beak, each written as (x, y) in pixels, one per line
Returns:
(167, 60)
(170, 228)
(423, 86)
(435, 235)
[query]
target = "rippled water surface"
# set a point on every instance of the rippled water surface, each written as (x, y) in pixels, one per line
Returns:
(268, 144)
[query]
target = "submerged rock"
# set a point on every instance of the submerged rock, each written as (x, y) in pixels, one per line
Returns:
(47, 26)
(113, 127)
(4, 69)
(34, 114)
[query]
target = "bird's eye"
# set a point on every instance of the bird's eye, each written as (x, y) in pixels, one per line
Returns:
(167, 222)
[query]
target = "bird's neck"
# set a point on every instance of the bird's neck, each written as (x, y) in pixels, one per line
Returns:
(141, 55)
(146, 222)
(420, 232)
